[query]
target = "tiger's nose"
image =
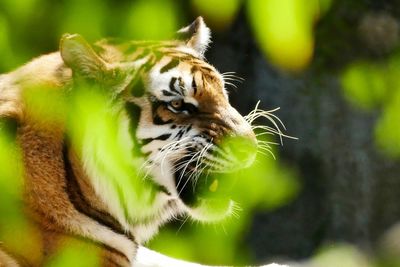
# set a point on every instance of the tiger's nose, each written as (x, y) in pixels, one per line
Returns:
(243, 148)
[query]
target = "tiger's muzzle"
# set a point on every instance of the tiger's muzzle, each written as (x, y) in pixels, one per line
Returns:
(229, 144)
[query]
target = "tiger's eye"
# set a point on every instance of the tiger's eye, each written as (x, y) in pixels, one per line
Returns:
(176, 104)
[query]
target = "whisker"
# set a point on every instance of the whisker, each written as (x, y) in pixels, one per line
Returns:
(232, 74)
(164, 153)
(184, 170)
(188, 178)
(231, 84)
(184, 221)
(277, 123)
(265, 154)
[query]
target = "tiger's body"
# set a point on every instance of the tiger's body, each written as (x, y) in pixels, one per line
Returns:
(167, 101)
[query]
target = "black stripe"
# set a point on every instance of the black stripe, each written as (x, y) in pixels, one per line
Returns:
(180, 134)
(206, 68)
(146, 141)
(136, 86)
(181, 55)
(162, 137)
(170, 65)
(113, 250)
(134, 112)
(193, 69)
(172, 85)
(112, 260)
(104, 246)
(194, 86)
(81, 204)
(163, 189)
(182, 86)
(158, 55)
(143, 54)
(149, 64)
(167, 93)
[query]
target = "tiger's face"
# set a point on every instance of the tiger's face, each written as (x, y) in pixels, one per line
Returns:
(189, 129)
(181, 121)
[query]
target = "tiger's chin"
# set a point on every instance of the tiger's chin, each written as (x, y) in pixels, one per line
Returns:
(212, 209)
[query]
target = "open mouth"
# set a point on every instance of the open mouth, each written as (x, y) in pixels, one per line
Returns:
(196, 184)
(204, 179)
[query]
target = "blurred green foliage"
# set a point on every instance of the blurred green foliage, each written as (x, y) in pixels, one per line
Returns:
(365, 85)
(341, 255)
(161, 17)
(220, 14)
(375, 85)
(74, 254)
(284, 29)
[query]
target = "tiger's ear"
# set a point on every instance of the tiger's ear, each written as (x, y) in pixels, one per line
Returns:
(197, 35)
(80, 57)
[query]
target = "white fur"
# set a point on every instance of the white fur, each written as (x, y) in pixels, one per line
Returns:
(200, 39)
(203, 38)
(85, 226)
(145, 231)
(202, 212)
(148, 258)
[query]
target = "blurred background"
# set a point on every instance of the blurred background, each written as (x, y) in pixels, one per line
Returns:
(333, 68)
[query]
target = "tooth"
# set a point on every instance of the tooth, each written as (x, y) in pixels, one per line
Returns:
(214, 186)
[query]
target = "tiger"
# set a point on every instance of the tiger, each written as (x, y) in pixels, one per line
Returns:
(172, 121)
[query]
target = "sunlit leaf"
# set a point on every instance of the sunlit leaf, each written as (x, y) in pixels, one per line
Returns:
(365, 84)
(75, 254)
(152, 20)
(340, 255)
(284, 30)
(266, 183)
(387, 131)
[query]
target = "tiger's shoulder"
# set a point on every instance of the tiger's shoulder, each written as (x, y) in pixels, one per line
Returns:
(47, 71)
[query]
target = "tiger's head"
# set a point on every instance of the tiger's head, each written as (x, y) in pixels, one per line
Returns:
(175, 106)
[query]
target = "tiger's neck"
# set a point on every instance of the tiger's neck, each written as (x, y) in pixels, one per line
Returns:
(83, 196)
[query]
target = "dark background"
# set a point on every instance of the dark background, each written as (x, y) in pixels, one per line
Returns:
(351, 190)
